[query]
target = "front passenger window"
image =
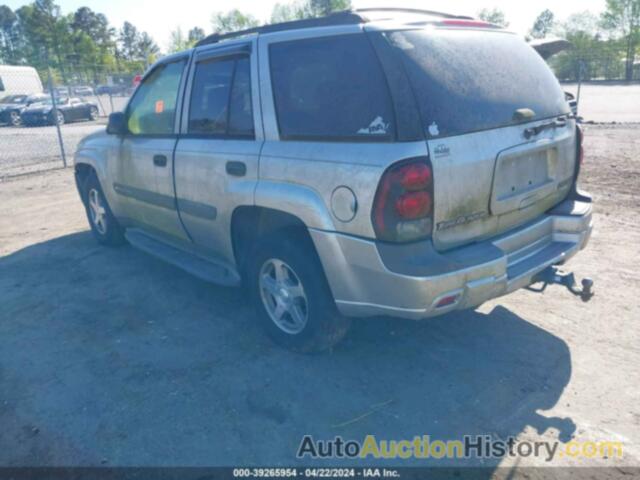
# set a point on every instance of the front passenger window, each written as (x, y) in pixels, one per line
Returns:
(152, 110)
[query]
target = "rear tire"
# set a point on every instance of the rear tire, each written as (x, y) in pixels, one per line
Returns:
(14, 119)
(57, 118)
(104, 226)
(292, 299)
(93, 113)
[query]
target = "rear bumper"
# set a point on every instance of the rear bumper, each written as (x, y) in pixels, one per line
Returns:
(369, 279)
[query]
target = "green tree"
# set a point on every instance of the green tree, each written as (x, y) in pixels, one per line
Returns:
(136, 50)
(284, 12)
(93, 45)
(590, 56)
(128, 40)
(493, 15)
(178, 41)
(46, 32)
(320, 8)
(195, 35)
(622, 17)
(96, 27)
(9, 36)
(147, 49)
(543, 25)
(232, 21)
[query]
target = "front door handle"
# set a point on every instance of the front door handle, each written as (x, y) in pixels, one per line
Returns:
(160, 160)
(237, 169)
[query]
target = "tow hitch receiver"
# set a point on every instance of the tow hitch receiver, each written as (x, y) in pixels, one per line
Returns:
(552, 275)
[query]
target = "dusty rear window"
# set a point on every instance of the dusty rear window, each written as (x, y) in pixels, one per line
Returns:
(468, 80)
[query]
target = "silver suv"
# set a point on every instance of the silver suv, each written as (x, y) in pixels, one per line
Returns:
(377, 162)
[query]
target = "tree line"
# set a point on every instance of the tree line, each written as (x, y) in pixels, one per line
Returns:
(603, 47)
(40, 35)
(84, 44)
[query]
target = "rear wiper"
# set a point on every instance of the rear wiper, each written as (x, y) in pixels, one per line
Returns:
(538, 129)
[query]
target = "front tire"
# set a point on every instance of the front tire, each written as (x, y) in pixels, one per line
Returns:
(104, 226)
(292, 298)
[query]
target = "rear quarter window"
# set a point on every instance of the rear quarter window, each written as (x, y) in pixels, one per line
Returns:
(330, 88)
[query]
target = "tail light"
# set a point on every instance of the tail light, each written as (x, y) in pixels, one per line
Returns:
(403, 207)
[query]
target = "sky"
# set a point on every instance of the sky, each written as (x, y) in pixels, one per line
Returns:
(159, 18)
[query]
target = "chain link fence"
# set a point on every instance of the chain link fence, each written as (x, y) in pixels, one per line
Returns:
(44, 115)
(591, 67)
(599, 82)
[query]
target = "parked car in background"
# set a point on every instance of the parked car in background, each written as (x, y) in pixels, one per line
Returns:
(61, 91)
(12, 106)
(19, 80)
(111, 89)
(67, 110)
(83, 91)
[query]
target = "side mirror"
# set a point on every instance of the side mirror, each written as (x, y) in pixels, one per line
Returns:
(117, 124)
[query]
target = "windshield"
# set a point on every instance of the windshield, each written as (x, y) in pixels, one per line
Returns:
(473, 80)
(14, 99)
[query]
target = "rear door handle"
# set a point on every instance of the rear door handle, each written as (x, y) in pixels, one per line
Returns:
(160, 160)
(237, 169)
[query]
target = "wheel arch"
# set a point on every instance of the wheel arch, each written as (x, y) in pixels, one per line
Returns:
(251, 223)
(87, 161)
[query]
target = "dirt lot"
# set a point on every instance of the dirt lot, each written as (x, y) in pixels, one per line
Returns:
(110, 357)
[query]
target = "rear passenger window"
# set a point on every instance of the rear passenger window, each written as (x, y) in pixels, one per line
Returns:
(221, 99)
(330, 88)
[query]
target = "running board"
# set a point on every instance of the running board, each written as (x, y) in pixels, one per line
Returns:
(191, 263)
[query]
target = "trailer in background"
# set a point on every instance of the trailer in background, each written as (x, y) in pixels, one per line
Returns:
(19, 81)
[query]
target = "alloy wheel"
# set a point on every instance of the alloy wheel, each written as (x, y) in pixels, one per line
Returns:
(283, 296)
(15, 119)
(98, 211)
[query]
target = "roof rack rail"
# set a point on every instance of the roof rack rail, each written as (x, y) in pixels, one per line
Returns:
(412, 10)
(346, 17)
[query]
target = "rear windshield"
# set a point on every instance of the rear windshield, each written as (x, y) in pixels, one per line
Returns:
(470, 80)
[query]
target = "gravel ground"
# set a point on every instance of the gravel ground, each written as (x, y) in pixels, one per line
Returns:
(111, 357)
(27, 150)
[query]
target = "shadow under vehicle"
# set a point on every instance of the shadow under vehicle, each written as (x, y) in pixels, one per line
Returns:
(123, 340)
